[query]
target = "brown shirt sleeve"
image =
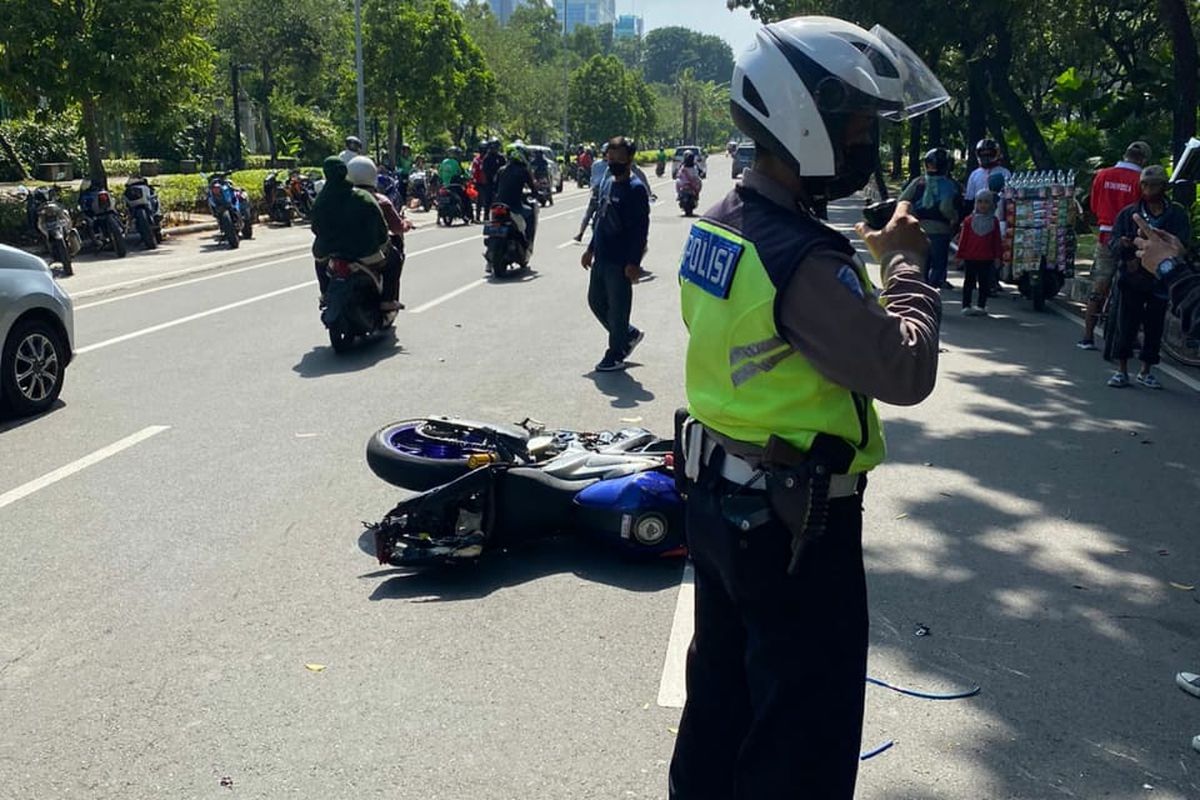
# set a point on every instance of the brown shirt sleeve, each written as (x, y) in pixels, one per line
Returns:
(888, 352)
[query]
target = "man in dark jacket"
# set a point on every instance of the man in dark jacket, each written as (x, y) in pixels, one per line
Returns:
(492, 162)
(1142, 298)
(347, 222)
(615, 254)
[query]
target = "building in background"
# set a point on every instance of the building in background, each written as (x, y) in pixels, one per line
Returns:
(629, 26)
(503, 9)
(586, 12)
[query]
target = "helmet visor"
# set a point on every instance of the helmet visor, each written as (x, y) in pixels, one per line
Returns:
(921, 89)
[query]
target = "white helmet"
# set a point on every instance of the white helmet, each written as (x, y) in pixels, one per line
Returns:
(804, 78)
(361, 171)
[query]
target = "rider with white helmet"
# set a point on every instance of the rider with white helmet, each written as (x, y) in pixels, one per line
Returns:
(788, 342)
(362, 172)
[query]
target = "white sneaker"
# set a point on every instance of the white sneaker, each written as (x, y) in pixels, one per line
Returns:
(966, 311)
(1189, 682)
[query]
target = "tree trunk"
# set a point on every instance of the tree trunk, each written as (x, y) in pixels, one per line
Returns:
(266, 111)
(1026, 125)
(935, 128)
(11, 154)
(977, 109)
(392, 134)
(210, 141)
(91, 140)
(915, 167)
(1178, 24)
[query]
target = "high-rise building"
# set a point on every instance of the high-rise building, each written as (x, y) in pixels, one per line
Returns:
(503, 9)
(629, 26)
(586, 12)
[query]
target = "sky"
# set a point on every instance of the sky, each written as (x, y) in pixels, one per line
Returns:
(707, 16)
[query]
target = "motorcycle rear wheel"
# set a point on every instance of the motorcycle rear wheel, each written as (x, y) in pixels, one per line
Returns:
(145, 231)
(117, 234)
(405, 454)
(340, 340)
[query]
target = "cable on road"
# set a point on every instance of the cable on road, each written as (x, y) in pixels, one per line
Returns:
(960, 695)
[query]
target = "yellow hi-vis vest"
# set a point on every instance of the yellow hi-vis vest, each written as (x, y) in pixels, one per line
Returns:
(743, 378)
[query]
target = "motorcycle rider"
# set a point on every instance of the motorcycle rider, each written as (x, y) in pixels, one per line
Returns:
(362, 173)
(935, 197)
(660, 162)
(492, 162)
(688, 178)
(346, 222)
(788, 341)
(354, 147)
(987, 152)
(477, 178)
(511, 182)
(540, 167)
(452, 176)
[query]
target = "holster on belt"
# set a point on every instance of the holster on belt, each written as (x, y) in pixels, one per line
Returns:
(679, 451)
(798, 486)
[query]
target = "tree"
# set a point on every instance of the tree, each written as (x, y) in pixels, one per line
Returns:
(292, 45)
(607, 99)
(1178, 23)
(668, 51)
(83, 53)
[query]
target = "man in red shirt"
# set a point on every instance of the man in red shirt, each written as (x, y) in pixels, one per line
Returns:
(1113, 189)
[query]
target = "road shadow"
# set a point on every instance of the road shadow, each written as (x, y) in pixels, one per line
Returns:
(625, 390)
(1055, 574)
(515, 277)
(9, 421)
(530, 561)
(322, 360)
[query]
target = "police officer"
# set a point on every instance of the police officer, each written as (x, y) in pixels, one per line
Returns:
(789, 341)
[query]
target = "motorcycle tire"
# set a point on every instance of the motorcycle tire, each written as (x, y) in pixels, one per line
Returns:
(340, 340)
(650, 529)
(146, 231)
(229, 230)
(117, 233)
(425, 205)
(248, 228)
(1037, 292)
(410, 470)
(62, 254)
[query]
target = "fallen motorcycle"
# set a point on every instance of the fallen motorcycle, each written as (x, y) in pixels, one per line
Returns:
(484, 487)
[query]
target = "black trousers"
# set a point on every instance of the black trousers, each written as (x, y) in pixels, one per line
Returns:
(610, 296)
(977, 274)
(1140, 309)
(777, 666)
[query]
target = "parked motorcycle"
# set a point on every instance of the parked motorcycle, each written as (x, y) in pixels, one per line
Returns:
(352, 302)
(100, 227)
(145, 214)
(53, 222)
(487, 486)
(231, 207)
(451, 206)
(303, 192)
(687, 201)
(505, 241)
(280, 207)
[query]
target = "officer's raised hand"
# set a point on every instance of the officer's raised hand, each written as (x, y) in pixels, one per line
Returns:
(902, 235)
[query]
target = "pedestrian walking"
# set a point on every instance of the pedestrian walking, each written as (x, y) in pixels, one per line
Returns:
(1143, 299)
(1113, 189)
(788, 341)
(979, 252)
(614, 254)
(934, 197)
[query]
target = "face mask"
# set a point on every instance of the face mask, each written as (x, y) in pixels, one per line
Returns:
(617, 169)
(855, 169)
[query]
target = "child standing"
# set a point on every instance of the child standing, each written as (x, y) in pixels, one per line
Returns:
(979, 251)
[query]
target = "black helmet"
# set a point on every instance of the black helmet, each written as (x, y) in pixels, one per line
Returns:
(940, 159)
(354, 143)
(987, 151)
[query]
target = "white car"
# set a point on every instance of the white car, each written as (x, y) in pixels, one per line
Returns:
(37, 333)
(701, 160)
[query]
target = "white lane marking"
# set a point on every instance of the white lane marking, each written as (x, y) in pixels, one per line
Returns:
(86, 306)
(672, 689)
(448, 296)
(12, 496)
(568, 243)
(191, 317)
(1179, 375)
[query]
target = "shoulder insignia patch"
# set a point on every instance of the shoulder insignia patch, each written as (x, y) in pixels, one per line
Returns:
(710, 261)
(849, 278)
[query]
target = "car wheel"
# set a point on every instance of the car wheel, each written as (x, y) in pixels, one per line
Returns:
(31, 367)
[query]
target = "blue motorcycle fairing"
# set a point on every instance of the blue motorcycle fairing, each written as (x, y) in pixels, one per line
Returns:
(641, 491)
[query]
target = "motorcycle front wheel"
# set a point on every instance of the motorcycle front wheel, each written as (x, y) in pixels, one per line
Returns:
(117, 234)
(62, 254)
(229, 230)
(145, 230)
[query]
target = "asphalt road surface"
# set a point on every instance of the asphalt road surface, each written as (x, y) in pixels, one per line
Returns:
(186, 610)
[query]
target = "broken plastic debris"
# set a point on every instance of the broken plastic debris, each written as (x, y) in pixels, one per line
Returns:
(1164, 552)
(902, 516)
(1078, 586)
(1122, 550)
(674, 731)
(1147, 441)
(922, 630)
(645, 706)
(227, 782)
(1183, 587)
(945, 494)
(315, 667)
(929, 463)
(306, 435)
(631, 419)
